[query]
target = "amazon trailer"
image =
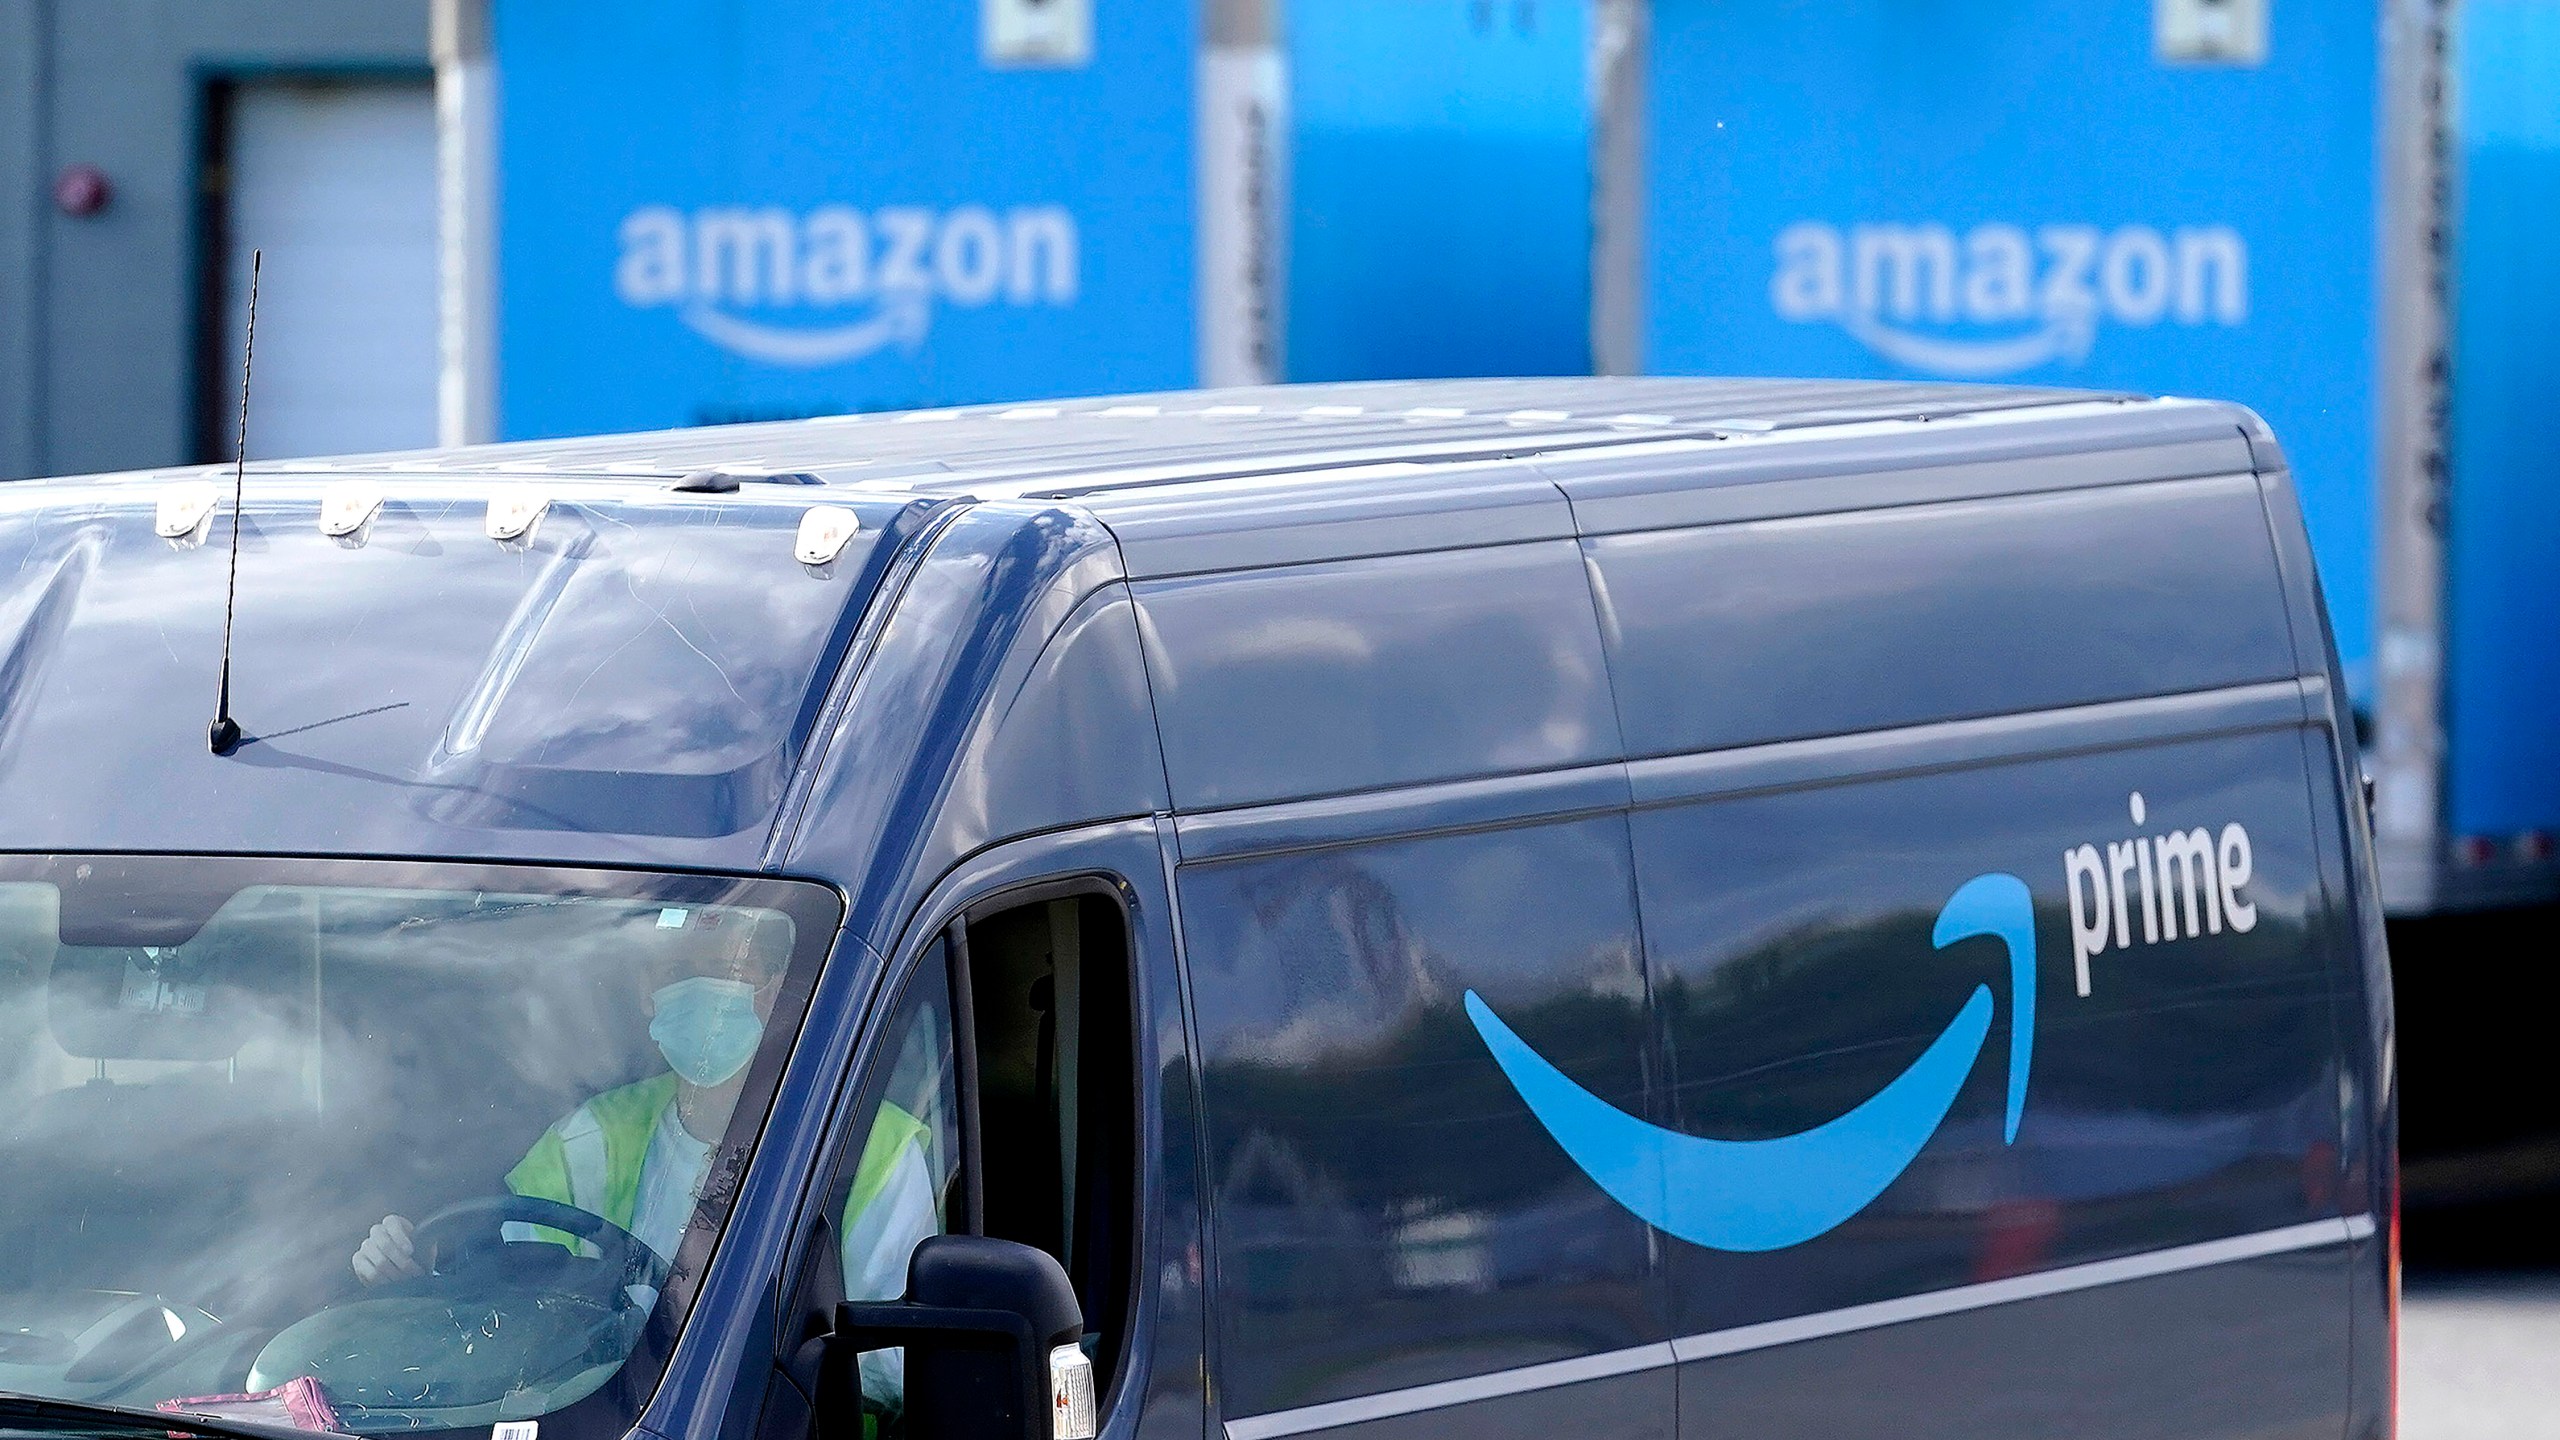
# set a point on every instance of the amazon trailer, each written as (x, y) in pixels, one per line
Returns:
(699, 212)
(2329, 212)
(691, 214)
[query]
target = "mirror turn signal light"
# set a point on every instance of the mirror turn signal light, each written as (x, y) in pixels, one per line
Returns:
(1071, 1407)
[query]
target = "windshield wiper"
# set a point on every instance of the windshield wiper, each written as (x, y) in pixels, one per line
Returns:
(44, 1412)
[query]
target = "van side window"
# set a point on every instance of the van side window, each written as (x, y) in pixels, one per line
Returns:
(1054, 1103)
(902, 1183)
(1057, 1089)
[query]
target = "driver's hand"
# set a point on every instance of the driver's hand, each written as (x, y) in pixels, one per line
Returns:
(389, 1252)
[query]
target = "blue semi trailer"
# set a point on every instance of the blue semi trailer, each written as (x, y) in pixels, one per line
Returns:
(701, 212)
(2331, 212)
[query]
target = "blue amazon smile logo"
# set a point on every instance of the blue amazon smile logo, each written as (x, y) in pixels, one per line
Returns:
(1769, 1194)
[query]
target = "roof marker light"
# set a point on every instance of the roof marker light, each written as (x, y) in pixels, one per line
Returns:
(824, 532)
(1533, 417)
(346, 508)
(1435, 412)
(1029, 412)
(184, 507)
(1221, 411)
(1639, 419)
(1331, 412)
(726, 482)
(512, 517)
(1132, 412)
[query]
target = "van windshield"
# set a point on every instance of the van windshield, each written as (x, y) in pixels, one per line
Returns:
(371, 1146)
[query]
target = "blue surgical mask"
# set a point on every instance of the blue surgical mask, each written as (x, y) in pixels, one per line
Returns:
(707, 1028)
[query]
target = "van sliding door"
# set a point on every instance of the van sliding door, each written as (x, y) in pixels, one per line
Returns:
(1400, 1247)
(2157, 1247)
(1980, 890)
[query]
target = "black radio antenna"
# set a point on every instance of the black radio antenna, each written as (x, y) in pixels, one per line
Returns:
(225, 734)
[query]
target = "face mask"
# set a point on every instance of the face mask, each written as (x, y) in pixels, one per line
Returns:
(707, 1028)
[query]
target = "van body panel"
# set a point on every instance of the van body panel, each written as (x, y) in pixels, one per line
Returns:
(1340, 514)
(2189, 1096)
(1822, 625)
(1412, 810)
(2268, 1338)
(961, 688)
(1363, 1241)
(1075, 741)
(2369, 1144)
(2370, 1155)
(1821, 491)
(2312, 642)
(1638, 1403)
(2182, 1099)
(1886, 463)
(2274, 704)
(1309, 680)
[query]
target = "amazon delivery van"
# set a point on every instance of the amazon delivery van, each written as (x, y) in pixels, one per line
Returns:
(1645, 908)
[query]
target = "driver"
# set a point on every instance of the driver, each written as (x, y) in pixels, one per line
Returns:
(637, 1155)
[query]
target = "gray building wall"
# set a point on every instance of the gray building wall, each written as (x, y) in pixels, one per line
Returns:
(99, 320)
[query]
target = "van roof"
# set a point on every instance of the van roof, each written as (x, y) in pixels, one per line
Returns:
(1080, 446)
(642, 686)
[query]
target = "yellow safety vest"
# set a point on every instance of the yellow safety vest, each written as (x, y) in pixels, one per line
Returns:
(591, 1158)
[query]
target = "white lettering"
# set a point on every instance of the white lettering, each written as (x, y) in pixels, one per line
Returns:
(2213, 254)
(2088, 907)
(895, 262)
(835, 261)
(1904, 269)
(968, 257)
(1807, 285)
(745, 256)
(651, 270)
(2186, 884)
(905, 232)
(1999, 278)
(2044, 295)
(2198, 891)
(2071, 253)
(2136, 275)
(1041, 250)
(2119, 865)
(2234, 865)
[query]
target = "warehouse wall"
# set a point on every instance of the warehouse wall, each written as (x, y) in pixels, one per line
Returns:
(99, 315)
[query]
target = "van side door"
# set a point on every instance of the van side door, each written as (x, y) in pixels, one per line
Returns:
(1980, 885)
(1401, 824)
(1026, 1075)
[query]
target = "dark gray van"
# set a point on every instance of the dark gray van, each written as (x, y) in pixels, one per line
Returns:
(1603, 908)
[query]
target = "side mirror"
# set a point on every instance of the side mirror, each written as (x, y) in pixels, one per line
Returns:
(991, 1331)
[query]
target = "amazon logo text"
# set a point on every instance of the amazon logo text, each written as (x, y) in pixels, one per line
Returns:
(2175, 885)
(2001, 298)
(835, 284)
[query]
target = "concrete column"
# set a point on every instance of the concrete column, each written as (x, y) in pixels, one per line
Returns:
(1621, 57)
(467, 147)
(1243, 194)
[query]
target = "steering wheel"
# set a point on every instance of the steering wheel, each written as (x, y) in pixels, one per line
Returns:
(465, 1237)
